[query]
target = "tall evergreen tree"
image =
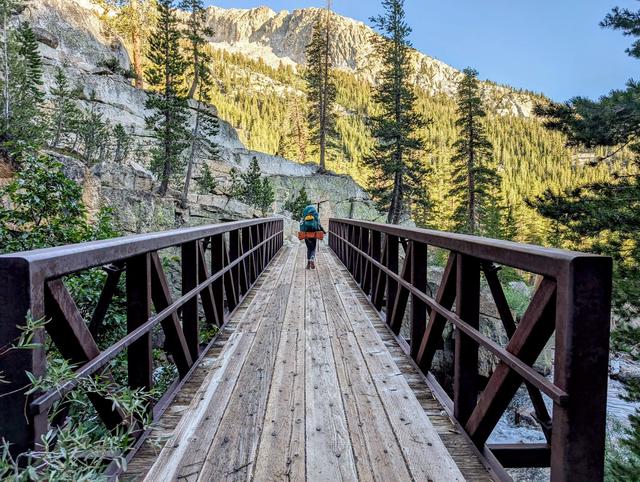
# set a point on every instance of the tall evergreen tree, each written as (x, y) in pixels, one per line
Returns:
(321, 87)
(167, 101)
(21, 127)
(133, 19)
(205, 125)
(65, 115)
(475, 181)
(196, 33)
(398, 173)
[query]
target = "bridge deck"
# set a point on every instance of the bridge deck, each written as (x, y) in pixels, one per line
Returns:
(306, 383)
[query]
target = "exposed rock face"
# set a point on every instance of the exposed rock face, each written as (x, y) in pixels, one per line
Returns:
(281, 37)
(73, 38)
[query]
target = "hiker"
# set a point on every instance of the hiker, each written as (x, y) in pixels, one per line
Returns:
(310, 228)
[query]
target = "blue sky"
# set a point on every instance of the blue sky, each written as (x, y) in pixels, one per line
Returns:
(550, 46)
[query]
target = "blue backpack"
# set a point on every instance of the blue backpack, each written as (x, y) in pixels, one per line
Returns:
(310, 220)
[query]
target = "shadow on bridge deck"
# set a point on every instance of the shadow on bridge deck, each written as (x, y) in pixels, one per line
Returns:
(306, 383)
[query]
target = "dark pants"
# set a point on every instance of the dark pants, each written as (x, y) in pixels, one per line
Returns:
(312, 245)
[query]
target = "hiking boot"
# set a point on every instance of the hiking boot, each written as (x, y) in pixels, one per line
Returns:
(308, 264)
(312, 265)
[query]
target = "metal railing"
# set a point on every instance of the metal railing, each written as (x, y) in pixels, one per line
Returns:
(572, 300)
(219, 265)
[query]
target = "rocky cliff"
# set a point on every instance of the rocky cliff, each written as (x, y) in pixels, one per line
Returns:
(72, 37)
(281, 37)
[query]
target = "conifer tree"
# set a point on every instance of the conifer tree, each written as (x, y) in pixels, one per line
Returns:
(65, 115)
(398, 173)
(167, 101)
(21, 126)
(296, 205)
(196, 33)
(475, 181)
(206, 124)
(321, 87)
(135, 20)
(206, 182)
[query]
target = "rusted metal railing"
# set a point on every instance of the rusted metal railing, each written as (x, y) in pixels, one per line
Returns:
(572, 301)
(31, 284)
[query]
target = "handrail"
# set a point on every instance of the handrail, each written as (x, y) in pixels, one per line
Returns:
(573, 299)
(63, 260)
(46, 401)
(32, 284)
(528, 373)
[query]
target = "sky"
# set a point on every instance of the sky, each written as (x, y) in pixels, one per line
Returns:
(551, 46)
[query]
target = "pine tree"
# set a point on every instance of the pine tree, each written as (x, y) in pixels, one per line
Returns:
(296, 205)
(252, 184)
(321, 87)
(475, 181)
(206, 182)
(94, 135)
(22, 126)
(123, 143)
(398, 174)
(168, 101)
(65, 116)
(266, 197)
(134, 19)
(206, 124)
(196, 34)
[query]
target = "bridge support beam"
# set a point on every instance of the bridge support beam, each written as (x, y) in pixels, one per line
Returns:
(581, 369)
(20, 297)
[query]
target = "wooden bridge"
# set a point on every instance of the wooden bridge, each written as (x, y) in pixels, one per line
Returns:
(322, 374)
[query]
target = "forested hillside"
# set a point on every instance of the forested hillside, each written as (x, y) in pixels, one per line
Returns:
(266, 104)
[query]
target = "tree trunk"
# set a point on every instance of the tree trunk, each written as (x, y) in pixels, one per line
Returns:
(192, 154)
(137, 58)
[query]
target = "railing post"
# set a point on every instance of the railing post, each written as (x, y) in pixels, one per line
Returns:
(465, 381)
(393, 245)
(190, 309)
(234, 247)
(217, 265)
(19, 296)
(583, 313)
(366, 264)
(418, 308)
(376, 246)
(138, 284)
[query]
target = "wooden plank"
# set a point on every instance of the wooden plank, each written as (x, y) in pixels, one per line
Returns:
(281, 452)
(187, 448)
(377, 453)
(426, 456)
(329, 452)
(233, 450)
